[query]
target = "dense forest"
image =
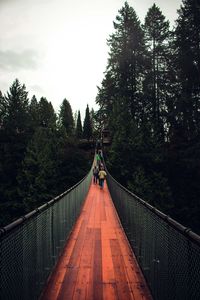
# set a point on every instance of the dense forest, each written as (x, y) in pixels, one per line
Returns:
(42, 153)
(150, 101)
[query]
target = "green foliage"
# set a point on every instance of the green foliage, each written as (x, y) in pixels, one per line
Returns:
(16, 119)
(66, 117)
(149, 99)
(34, 113)
(74, 164)
(87, 126)
(15, 130)
(39, 157)
(157, 36)
(14, 135)
(79, 129)
(187, 64)
(39, 169)
(47, 115)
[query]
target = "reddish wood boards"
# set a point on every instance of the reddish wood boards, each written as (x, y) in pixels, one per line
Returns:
(97, 262)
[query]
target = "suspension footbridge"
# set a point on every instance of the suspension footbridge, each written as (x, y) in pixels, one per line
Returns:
(97, 262)
(89, 243)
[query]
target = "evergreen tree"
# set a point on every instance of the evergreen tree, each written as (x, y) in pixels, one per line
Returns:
(106, 99)
(34, 113)
(15, 132)
(79, 129)
(120, 96)
(3, 110)
(66, 117)
(187, 63)
(87, 127)
(183, 148)
(37, 159)
(126, 61)
(53, 163)
(16, 119)
(37, 181)
(125, 103)
(47, 115)
(94, 124)
(157, 38)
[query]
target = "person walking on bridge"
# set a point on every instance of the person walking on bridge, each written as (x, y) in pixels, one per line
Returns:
(102, 176)
(98, 159)
(95, 174)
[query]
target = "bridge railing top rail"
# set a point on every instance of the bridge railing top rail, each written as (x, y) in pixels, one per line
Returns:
(167, 252)
(31, 245)
(15, 224)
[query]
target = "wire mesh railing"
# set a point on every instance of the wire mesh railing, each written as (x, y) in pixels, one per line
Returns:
(30, 247)
(167, 252)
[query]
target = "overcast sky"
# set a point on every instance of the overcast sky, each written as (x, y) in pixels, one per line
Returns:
(58, 49)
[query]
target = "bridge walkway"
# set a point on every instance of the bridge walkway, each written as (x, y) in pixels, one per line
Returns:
(97, 261)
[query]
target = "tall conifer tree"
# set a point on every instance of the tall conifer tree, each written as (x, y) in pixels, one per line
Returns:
(47, 115)
(134, 156)
(187, 62)
(66, 117)
(87, 126)
(79, 129)
(15, 133)
(157, 37)
(126, 62)
(37, 180)
(34, 114)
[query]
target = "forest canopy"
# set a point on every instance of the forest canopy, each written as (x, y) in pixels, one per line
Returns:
(150, 101)
(40, 152)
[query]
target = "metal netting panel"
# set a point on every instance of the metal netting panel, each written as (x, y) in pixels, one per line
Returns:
(29, 251)
(11, 266)
(168, 257)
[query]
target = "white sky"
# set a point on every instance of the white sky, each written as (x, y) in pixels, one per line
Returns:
(58, 49)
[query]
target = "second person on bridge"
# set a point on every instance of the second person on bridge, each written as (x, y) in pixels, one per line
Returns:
(102, 176)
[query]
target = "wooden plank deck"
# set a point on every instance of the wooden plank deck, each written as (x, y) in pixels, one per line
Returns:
(97, 262)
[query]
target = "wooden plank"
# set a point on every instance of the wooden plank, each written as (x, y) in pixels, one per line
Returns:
(123, 289)
(109, 281)
(86, 264)
(97, 267)
(67, 289)
(71, 276)
(55, 283)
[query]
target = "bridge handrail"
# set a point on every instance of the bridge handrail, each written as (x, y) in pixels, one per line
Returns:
(182, 229)
(31, 245)
(13, 225)
(167, 252)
